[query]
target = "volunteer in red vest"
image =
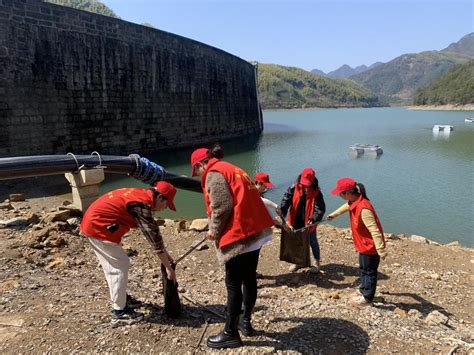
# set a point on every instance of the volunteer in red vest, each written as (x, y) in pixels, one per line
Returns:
(367, 234)
(108, 219)
(239, 225)
(306, 206)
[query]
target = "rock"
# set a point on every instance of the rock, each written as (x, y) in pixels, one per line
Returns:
(169, 222)
(414, 313)
(180, 226)
(20, 221)
(9, 285)
(453, 244)
(56, 263)
(66, 203)
(160, 222)
(58, 216)
(418, 239)
(74, 221)
(16, 197)
(6, 206)
(434, 276)
(55, 242)
(436, 318)
(402, 313)
(200, 224)
(73, 211)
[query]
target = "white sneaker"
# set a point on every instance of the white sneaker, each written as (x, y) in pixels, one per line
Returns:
(359, 301)
(294, 267)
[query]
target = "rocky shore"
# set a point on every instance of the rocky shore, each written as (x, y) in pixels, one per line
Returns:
(54, 298)
(469, 107)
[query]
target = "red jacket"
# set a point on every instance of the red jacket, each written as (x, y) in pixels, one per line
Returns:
(111, 209)
(249, 215)
(309, 207)
(363, 241)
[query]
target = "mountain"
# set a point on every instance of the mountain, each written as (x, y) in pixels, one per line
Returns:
(398, 79)
(289, 87)
(456, 88)
(464, 46)
(86, 5)
(318, 72)
(346, 71)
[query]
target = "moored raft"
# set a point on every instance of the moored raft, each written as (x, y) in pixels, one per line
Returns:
(359, 149)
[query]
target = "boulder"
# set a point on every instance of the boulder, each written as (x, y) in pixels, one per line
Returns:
(200, 224)
(180, 226)
(20, 221)
(436, 318)
(418, 239)
(6, 206)
(16, 197)
(58, 216)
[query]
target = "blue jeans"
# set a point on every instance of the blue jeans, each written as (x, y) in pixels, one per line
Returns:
(368, 265)
(313, 242)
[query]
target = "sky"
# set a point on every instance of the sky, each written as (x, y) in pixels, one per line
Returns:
(309, 34)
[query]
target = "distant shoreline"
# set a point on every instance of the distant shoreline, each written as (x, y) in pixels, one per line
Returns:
(469, 107)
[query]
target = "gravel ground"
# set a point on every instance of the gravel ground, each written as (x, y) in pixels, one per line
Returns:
(54, 297)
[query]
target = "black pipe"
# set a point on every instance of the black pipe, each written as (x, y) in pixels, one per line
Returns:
(20, 167)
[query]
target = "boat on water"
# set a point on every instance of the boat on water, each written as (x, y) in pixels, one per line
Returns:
(359, 149)
(442, 128)
(470, 120)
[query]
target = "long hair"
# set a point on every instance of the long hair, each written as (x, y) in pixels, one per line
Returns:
(359, 190)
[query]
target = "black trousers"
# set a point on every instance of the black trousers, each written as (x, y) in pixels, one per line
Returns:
(368, 265)
(241, 281)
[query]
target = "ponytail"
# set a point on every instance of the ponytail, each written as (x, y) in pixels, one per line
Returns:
(361, 189)
(215, 151)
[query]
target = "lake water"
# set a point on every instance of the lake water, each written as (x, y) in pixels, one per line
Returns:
(421, 184)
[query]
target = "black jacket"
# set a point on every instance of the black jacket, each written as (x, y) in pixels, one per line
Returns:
(319, 207)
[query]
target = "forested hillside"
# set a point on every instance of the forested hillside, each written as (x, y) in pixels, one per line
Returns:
(86, 5)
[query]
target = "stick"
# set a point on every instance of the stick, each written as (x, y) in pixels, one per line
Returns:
(206, 308)
(202, 336)
(189, 251)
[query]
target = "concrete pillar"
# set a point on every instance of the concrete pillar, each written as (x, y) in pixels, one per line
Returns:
(85, 186)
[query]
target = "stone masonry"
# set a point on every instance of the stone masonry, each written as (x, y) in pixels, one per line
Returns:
(73, 81)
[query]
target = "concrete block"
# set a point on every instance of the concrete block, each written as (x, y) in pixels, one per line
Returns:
(85, 177)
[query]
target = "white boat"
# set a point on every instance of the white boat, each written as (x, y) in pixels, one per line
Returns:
(359, 149)
(470, 120)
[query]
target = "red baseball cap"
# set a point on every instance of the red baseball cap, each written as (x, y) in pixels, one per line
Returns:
(198, 155)
(307, 176)
(344, 184)
(264, 178)
(167, 190)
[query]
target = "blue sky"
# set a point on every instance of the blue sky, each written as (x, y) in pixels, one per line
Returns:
(309, 34)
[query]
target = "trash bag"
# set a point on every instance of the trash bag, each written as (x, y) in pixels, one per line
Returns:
(170, 292)
(294, 246)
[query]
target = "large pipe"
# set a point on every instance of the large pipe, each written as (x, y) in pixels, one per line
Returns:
(20, 167)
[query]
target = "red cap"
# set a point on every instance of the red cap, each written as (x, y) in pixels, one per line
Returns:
(344, 184)
(264, 178)
(167, 190)
(307, 177)
(198, 155)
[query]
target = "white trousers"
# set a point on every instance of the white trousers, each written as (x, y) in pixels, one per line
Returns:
(115, 264)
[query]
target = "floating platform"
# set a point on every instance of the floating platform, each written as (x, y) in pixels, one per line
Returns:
(358, 150)
(470, 120)
(442, 128)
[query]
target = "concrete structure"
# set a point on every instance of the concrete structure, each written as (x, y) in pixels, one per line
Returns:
(73, 81)
(85, 186)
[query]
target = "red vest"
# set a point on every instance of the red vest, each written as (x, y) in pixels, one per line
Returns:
(363, 241)
(110, 209)
(249, 215)
(309, 207)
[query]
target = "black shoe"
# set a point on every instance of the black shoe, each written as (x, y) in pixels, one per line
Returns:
(125, 316)
(132, 302)
(223, 340)
(246, 327)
